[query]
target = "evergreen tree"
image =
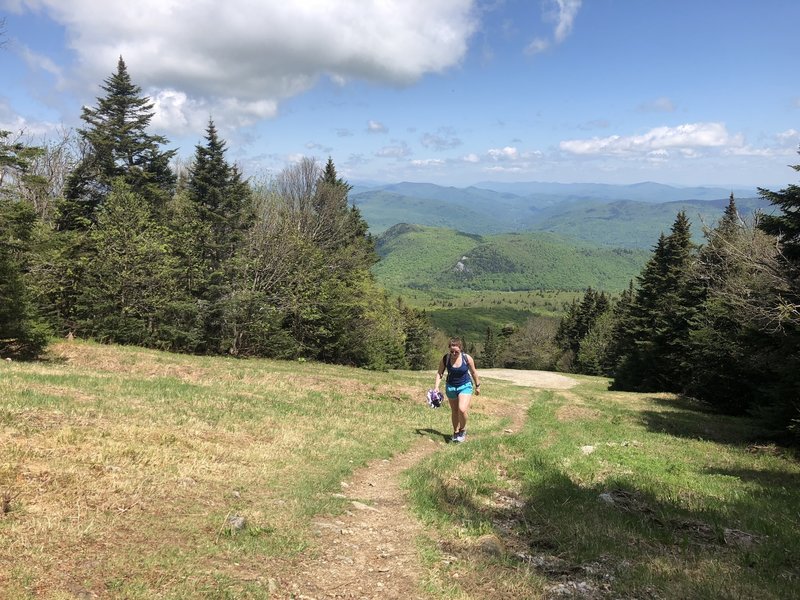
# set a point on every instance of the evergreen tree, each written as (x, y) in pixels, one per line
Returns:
(490, 350)
(718, 364)
(578, 322)
(619, 341)
(127, 293)
(418, 334)
(210, 218)
(786, 225)
(222, 198)
(22, 334)
(657, 328)
(785, 332)
(116, 145)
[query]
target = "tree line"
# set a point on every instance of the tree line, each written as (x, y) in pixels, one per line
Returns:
(105, 238)
(719, 322)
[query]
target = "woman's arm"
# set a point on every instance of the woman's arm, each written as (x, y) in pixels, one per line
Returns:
(439, 374)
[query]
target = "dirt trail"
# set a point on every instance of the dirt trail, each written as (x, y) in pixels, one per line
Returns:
(370, 552)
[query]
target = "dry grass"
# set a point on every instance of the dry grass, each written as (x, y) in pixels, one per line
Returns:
(120, 467)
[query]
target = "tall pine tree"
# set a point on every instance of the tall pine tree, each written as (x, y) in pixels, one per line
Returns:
(216, 207)
(21, 332)
(657, 327)
(116, 145)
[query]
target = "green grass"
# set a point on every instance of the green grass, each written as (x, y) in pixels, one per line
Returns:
(121, 465)
(682, 481)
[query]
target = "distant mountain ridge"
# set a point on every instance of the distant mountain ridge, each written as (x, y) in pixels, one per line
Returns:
(630, 216)
(646, 191)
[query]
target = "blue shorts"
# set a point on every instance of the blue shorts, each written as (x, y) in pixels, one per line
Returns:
(453, 391)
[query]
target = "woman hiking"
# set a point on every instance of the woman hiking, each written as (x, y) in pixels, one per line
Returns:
(462, 380)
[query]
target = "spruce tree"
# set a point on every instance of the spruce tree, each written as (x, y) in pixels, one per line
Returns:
(784, 392)
(717, 362)
(117, 145)
(127, 293)
(785, 225)
(490, 349)
(217, 210)
(21, 332)
(222, 198)
(657, 327)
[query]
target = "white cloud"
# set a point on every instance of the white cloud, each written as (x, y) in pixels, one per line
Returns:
(507, 153)
(471, 158)
(783, 143)
(20, 126)
(398, 150)
(537, 45)
(563, 12)
(691, 137)
(376, 127)
(40, 62)
(428, 162)
(246, 57)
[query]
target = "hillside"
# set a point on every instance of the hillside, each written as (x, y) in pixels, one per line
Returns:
(629, 224)
(616, 216)
(135, 474)
(427, 258)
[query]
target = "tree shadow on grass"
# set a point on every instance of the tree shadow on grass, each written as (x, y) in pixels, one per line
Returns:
(615, 537)
(776, 482)
(685, 418)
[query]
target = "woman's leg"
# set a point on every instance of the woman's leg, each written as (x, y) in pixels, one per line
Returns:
(454, 411)
(463, 408)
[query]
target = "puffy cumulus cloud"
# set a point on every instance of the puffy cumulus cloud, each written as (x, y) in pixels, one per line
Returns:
(507, 153)
(563, 13)
(684, 138)
(471, 158)
(246, 57)
(376, 127)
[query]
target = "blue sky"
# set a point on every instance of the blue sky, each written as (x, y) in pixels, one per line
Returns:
(454, 92)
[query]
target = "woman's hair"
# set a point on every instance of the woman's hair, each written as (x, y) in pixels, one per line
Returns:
(455, 341)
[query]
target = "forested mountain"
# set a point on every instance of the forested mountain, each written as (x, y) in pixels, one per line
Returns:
(616, 216)
(427, 258)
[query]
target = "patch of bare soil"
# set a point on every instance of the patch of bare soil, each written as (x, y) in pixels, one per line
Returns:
(538, 379)
(370, 551)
